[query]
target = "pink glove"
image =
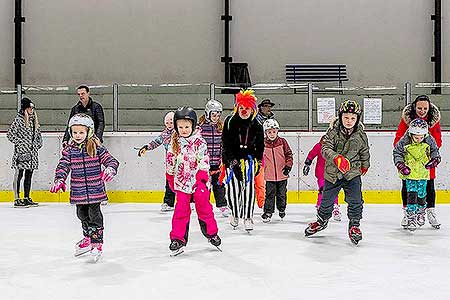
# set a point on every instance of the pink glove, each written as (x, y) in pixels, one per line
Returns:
(57, 185)
(201, 179)
(170, 180)
(108, 174)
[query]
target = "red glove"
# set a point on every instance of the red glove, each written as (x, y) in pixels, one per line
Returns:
(342, 163)
(364, 171)
(170, 180)
(58, 185)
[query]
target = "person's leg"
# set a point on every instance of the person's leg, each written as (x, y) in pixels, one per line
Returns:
(18, 174)
(232, 194)
(83, 216)
(281, 191)
(260, 188)
(169, 196)
(218, 190)
(27, 183)
(431, 194)
(208, 224)
(249, 191)
(181, 217)
(269, 202)
(353, 196)
(320, 183)
(95, 223)
(404, 193)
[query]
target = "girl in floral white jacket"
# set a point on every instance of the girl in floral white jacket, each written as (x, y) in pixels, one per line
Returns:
(187, 166)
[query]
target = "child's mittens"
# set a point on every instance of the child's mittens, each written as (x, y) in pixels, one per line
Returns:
(364, 171)
(142, 151)
(403, 169)
(58, 185)
(433, 163)
(286, 170)
(170, 181)
(342, 163)
(307, 167)
(108, 174)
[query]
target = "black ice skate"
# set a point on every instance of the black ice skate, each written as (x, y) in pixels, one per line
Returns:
(215, 241)
(316, 226)
(19, 203)
(355, 234)
(266, 217)
(177, 247)
(282, 214)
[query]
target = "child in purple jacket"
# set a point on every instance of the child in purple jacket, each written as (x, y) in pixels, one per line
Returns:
(83, 158)
(316, 151)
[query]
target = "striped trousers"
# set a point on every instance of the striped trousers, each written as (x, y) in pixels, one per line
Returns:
(240, 195)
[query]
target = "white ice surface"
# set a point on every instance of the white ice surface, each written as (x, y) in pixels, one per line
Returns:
(275, 261)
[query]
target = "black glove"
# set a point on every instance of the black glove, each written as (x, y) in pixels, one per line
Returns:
(258, 167)
(286, 170)
(142, 151)
(306, 168)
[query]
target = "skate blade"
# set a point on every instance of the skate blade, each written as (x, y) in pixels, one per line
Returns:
(78, 254)
(436, 226)
(218, 248)
(96, 257)
(177, 252)
(356, 240)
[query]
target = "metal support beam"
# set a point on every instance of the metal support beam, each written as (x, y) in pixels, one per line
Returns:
(18, 60)
(310, 106)
(115, 107)
(408, 93)
(212, 91)
(227, 59)
(19, 96)
(437, 58)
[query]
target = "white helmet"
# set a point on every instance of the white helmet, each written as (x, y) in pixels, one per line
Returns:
(84, 120)
(270, 123)
(212, 105)
(418, 126)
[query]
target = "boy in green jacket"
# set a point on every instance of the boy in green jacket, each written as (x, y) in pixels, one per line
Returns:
(346, 151)
(414, 155)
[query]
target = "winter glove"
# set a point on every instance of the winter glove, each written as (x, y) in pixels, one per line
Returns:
(258, 167)
(201, 179)
(108, 174)
(286, 170)
(403, 169)
(307, 166)
(433, 163)
(58, 185)
(142, 151)
(170, 180)
(364, 171)
(237, 172)
(342, 163)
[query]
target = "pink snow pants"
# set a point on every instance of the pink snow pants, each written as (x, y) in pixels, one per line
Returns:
(320, 183)
(182, 214)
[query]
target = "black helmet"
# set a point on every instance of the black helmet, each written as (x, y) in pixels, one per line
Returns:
(350, 106)
(187, 113)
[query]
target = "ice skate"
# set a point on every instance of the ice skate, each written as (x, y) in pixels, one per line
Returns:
(96, 252)
(19, 203)
(355, 234)
(412, 220)
(234, 221)
(431, 215)
(215, 241)
(404, 222)
(83, 246)
(336, 213)
(316, 226)
(224, 211)
(266, 217)
(282, 214)
(104, 203)
(421, 215)
(248, 224)
(165, 208)
(176, 247)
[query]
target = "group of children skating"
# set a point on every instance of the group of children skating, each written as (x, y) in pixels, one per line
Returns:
(225, 157)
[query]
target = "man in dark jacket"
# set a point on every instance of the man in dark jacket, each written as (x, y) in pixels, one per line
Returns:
(87, 106)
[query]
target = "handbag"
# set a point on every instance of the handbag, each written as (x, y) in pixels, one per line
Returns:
(23, 157)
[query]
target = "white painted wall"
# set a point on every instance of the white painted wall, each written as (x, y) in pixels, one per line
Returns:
(147, 173)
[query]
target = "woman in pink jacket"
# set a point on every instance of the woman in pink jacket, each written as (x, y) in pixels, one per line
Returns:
(316, 151)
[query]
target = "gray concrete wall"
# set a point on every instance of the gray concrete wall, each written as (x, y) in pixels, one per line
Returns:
(65, 42)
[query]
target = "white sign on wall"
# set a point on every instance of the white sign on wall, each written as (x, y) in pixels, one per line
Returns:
(372, 110)
(326, 110)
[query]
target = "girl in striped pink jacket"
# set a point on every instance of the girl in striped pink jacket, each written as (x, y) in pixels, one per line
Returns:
(83, 158)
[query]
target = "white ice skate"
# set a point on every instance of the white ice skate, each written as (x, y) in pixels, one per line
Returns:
(431, 215)
(234, 221)
(225, 211)
(248, 224)
(83, 246)
(336, 213)
(412, 220)
(165, 208)
(404, 222)
(96, 252)
(421, 215)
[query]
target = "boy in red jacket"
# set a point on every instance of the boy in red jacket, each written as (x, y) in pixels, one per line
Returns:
(277, 165)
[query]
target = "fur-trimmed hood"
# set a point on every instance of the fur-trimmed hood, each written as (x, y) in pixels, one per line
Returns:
(433, 117)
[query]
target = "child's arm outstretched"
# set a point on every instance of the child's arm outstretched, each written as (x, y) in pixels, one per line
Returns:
(111, 164)
(62, 172)
(155, 143)
(313, 153)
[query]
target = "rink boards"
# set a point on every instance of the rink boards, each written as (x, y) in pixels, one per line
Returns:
(142, 179)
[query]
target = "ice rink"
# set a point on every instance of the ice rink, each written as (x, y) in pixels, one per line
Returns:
(275, 261)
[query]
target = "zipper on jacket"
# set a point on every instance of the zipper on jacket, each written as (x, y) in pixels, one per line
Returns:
(85, 179)
(274, 164)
